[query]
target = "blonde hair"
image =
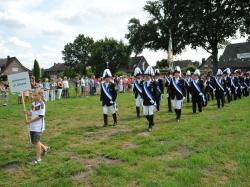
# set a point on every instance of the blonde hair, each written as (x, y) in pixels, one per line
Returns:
(39, 91)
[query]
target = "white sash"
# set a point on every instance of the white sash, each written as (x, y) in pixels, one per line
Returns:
(177, 87)
(217, 82)
(138, 87)
(106, 92)
(198, 89)
(148, 92)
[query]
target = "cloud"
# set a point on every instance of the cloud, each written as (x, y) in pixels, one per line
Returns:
(17, 42)
(7, 19)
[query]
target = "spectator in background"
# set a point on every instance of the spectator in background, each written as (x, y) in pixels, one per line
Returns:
(26, 95)
(53, 88)
(98, 86)
(4, 88)
(46, 88)
(120, 83)
(59, 88)
(92, 86)
(65, 87)
(82, 83)
(86, 88)
(77, 86)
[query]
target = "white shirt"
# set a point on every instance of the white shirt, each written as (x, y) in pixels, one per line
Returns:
(65, 84)
(37, 109)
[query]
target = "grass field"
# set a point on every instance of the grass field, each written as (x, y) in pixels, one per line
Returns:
(207, 149)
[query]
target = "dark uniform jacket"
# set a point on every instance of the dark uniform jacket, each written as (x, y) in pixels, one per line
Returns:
(135, 88)
(194, 91)
(180, 84)
(110, 89)
(149, 93)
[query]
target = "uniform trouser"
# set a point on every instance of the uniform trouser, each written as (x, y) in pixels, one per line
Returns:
(46, 95)
(138, 104)
(197, 100)
(59, 93)
(5, 98)
(210, 93)
(105, 114)
(229, 97)
(138, 101)
(188, 96)
(53, 95)
(220, 97)
(239, 93)
(149, 114)
(177, 107)
(158, 102)
(245, 92)
(169, 104)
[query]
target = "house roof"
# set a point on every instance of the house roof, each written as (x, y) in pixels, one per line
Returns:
(5, 62)
(230, 56)
(185, 63)
(232, 50)
(135, 61)
(57, 67)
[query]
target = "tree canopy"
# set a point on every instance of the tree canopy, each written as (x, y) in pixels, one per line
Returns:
(36, 70)
(76, 55)
(198, 23)
(84, 52)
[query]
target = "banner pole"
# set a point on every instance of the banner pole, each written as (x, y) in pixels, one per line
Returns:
(26, 116)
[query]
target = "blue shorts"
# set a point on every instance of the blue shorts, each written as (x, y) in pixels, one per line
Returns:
(35, 136)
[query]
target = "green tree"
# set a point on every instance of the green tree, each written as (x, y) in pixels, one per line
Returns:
(76, 55)
(190, 67)
(154, 34)
(116, 53)
(36, 70)
(199, 23)
(162, 64)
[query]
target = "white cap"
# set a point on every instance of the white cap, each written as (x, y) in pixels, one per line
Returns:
(177, 69)
(149, 71)
(227, 71)
(157, 72)
(197, 72)
(237, 71)
(137, 71)
(106, 73)
(219, 72)
(188, 73)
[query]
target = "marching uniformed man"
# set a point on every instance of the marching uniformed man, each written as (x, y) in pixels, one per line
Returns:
(197, 91)
(187, 85)
(137, 90)
(227, 84)
(149, 94)
(108, 97)
(238, 82)
(167, 84)
(160, 88)
(178, 93)
(209, 88)
(246, 84)
(220, 92)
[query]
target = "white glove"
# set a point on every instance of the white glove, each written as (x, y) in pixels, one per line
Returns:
(152, 102)
(111, 102)
(201, 94)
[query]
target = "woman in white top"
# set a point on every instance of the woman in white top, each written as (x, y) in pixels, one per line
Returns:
(65, 88)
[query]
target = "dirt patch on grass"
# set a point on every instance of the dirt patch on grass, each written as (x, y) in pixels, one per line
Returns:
(166, 142)
(230, 166)
(180, 152)
(90, 165)
(13, 166)
(129, 145)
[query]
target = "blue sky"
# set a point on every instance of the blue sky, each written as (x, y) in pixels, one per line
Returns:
(39, 29)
